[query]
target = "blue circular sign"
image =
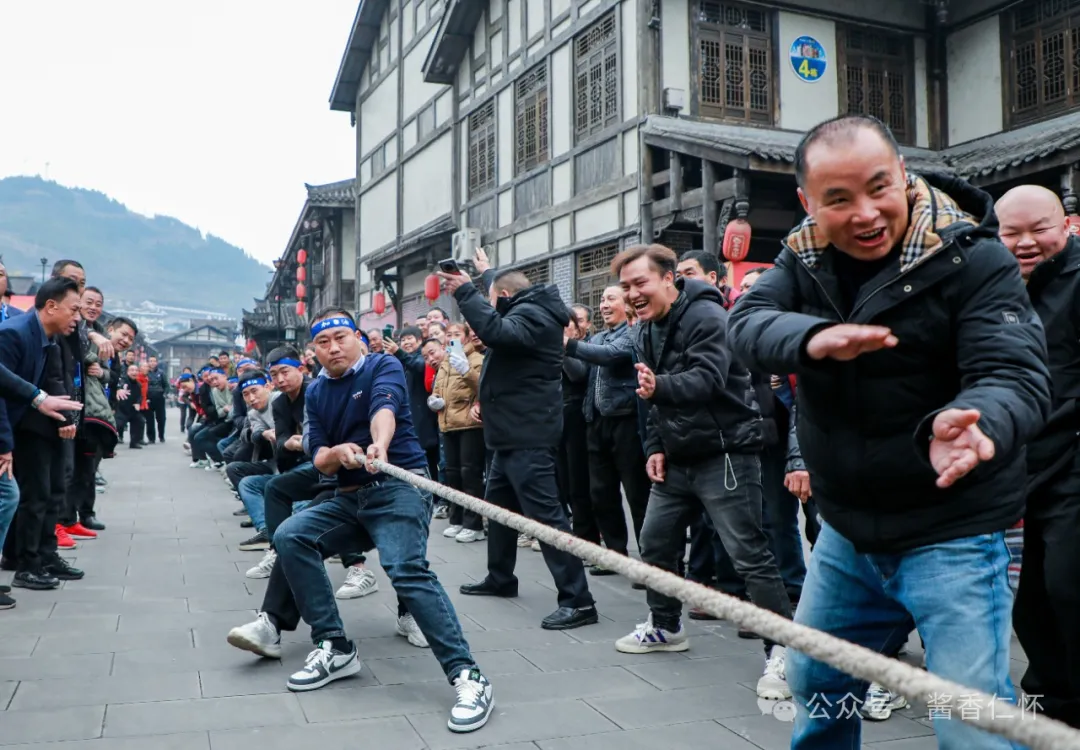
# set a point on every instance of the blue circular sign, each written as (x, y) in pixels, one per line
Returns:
(808, 59)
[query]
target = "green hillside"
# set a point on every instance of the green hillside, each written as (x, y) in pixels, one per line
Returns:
(130, 256)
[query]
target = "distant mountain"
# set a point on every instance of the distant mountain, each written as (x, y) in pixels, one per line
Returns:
(129, 256)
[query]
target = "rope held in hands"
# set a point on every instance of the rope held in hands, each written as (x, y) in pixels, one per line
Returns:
(1037, 732)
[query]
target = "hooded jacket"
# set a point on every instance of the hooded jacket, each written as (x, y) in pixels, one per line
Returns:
(968, 339)
(704, 404)
(521, 380)
(459, 392)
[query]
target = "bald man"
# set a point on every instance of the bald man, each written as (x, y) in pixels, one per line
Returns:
(1046, 614)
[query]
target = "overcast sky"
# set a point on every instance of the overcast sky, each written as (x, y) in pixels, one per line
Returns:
(214, 112)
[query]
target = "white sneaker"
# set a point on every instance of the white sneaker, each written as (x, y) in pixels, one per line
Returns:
(773, 682)
(323, 666)
(259, 637)
(475, 699)
(407, 628)
(451, 531)
(647, 638)
(468, 535)
(524, 541)
(262, 570)
(200, 464)
(358, 582)
(881, 702)
(535, 545)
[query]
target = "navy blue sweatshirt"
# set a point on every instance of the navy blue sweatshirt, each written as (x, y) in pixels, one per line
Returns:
(340, 411)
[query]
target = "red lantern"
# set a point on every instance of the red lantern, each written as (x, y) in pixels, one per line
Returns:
(431, 288)
(300, 308)
(1074, 224)
(737, 240)
(300, 291)
(301, 257)
(378, 302)
(301, 274)
(250, 347)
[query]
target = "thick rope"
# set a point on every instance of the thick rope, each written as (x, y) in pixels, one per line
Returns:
(1037, 732)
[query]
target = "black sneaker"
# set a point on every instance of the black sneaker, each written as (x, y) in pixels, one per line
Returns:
(247, 524)
(25, 579)
(6, 602)
(258, 543)
(568, 618)
(5, 589)
(91, 522)
(324, 665)
(60, 568)
(475, 700)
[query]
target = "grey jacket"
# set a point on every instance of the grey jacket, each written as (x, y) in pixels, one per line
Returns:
(259, 422)
(612, 378)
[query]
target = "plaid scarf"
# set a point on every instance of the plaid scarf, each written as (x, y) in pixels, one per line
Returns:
(931, 211)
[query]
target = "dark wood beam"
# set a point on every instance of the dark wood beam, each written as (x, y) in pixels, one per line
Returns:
(676, 181)
(1027, 169)
(709, 211)
(694, 149)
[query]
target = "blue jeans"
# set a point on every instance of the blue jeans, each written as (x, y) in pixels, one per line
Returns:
(957, 592)
(396, 516)
(9, 501)
(251, 491)
(225, 442)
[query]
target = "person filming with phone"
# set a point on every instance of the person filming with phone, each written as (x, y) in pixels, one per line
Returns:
(521, 399)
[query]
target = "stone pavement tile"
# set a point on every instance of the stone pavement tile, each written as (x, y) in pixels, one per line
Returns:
(503, 640)
(81, 591)
(392, 733)
(585, 683)
(515, 724)
(222, 587)
(7, 692)
(372, 702)
(229, 603)
(45, 666)
(915, 743)
(208, 714)
(159, 608)
(265, 677)
(84, 625)
(901, 726)
(519, 620)
(212, 621)
(701, 672)
(91, 691)
(30, 605)
(588, 656)
(772, 733)
(185, 741)
(108, 643)
(51, 725)
(603, 632)
(425, 668)
(153, 661)
(17, 645)
(697, 736)
(718, 701)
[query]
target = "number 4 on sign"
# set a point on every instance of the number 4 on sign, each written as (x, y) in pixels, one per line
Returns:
(804, 68)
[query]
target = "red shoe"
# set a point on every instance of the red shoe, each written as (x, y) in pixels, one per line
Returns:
(78, 531)
(63, 539)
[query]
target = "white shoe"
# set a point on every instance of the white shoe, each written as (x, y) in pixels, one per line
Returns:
(451, 531)
(358, 582)
(647, 638)
(535, 545)
(881, 702)
(773, 682)
(468, 535)
(262, 570)
(474, 702)
(524, 541)
(259, 637)
(323, 666)
(200, 464)
(407, 628)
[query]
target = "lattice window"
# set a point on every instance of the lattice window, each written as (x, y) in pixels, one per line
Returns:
(596, 78)
(680, 242)
(594, 275)
(735, 66)
(531, 119)
(876, 78)
(538, 273)
(482, 149)
(1043, 41)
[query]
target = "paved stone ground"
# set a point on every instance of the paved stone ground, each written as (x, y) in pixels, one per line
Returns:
(134, 656)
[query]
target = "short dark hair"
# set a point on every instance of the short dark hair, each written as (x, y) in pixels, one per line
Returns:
(94, 289)
(844, 126)
(709, 263)
(754, 272)
(413, 331)
(510, 280)
(662, 259)
(55, 289)
(439, 310)
(60, 265)
(283, 352)
(187, 369)
(585, 308)
(430, 341)
(333, 311)
(251, 375)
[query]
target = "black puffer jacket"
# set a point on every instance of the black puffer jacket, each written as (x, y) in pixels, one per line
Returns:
(968, 338)
(704, 404)
(521, 383)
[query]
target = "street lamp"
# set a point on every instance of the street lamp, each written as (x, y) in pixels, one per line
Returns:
(44, 262)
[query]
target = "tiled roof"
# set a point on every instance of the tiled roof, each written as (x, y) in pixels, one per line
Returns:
(341, 193)
(265, 315)
(995, 153)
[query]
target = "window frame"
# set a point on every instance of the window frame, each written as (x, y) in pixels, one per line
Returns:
(583, 63)
(538, 99)
(1067, 22)
(490, 136)
(596, 280)
(843, 54)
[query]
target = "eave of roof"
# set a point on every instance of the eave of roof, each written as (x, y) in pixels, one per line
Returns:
(365, 32)
(452, 40)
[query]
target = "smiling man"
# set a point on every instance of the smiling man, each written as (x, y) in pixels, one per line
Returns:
(922, 374)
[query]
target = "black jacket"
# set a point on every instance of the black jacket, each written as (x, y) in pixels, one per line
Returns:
(968, 338)
(238, 415)
(425, 420)
(52, 382)
(521, 382)
(704, 404)
(289, 421)
(612, 387)
(156, 385)
(575, 382)
(129, 406)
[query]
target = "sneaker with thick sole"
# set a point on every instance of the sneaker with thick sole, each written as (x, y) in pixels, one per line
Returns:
(35, 581)
(257, 543)
(64, 540)
(358, 582)
(772, 685)
(6, 602)
(475, 700)
(265, 566)
(78, 531)
(647, 638)
(451, 531)
(259, 637)
(524, 541)
(61, 569)
(322, 666)
(409, 630)
(881, 702)
(441, 511)
(469, 535)
(91, 522)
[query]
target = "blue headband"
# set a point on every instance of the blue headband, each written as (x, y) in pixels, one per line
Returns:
(215, 371)
(286, 361)
(234, 379)
(187, 376)
(253, 382)
(322, 325)
(245, 362)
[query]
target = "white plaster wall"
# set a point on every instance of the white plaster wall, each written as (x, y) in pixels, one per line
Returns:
(378, 214)
(562, 179)
(588, 7)
(416, 92)
(348, 245)
(560, 233)
(378, 113)
(413, 283)
(428, 184)
(973, 60)
(922, 104)
(804, 104)
(506, 207)
(562, 102)
(596, 219)
(513, 25)
(631, 209)
(444, 107)
(630, 152)
(675, 46)
(530, 243)
(558, 7)
(534, 17)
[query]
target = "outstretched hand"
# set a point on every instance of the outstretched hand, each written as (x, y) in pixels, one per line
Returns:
(958, 445)
(847, 341)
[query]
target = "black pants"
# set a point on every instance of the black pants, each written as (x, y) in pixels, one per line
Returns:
(1046, 615)
(155, 417)
(82, 493)
(573, 474)
(129, 417)
(616, 457)
(184, 417)
(237, 470)
(302, 483)
(31, 540)
(523, 481)
(238, 450)
(464, 455)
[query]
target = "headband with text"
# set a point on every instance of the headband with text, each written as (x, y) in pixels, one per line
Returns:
(339, 322)
(252, 382)
(247, 362)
